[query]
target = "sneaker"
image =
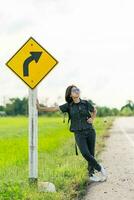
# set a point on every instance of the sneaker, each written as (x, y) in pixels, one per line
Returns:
(103, 172)
(95, 178)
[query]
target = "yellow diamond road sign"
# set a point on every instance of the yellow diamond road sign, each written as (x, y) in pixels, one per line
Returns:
(32, 63)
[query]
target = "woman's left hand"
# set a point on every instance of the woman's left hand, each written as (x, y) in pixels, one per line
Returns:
(90, 120)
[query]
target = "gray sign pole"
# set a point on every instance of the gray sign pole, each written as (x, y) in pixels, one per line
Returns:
(33, 137)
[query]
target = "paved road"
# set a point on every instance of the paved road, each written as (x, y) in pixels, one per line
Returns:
(118, 159)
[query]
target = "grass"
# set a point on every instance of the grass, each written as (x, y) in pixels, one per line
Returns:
(57, 160)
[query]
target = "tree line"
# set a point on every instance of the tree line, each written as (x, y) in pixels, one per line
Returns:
(17, 106)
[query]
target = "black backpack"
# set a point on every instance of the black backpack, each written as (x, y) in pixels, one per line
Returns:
(69, 117)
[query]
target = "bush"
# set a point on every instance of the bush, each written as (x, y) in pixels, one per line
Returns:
(11, 191)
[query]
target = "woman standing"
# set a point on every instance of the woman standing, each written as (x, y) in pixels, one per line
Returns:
(82, 114)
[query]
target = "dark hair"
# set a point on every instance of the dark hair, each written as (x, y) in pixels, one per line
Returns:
(68, 93)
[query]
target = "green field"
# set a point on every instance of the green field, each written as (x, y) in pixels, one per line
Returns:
(57, 160)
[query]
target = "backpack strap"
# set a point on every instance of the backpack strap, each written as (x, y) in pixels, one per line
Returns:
(69, 117)
(76, 151)
(87, 105)
(64, 114)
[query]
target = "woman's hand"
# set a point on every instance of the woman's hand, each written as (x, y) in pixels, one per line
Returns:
(46, 108)
(93, 115)
(90, 120)
(37, 104)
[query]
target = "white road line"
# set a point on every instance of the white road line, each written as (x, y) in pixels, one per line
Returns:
(127, 136)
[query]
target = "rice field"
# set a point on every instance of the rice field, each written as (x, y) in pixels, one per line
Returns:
(56, 154)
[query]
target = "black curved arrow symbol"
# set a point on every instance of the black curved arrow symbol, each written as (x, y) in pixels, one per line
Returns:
(34, 56)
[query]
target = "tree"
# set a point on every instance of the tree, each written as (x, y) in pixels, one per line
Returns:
(17, 106)
(129, 105)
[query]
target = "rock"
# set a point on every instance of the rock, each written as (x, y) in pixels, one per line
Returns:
(46, 187)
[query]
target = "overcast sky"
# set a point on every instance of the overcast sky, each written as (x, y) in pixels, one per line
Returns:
(92, 40)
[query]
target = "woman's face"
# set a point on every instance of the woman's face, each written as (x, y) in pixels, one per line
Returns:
(75, 92)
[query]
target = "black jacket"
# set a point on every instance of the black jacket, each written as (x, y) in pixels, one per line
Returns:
(79, 112)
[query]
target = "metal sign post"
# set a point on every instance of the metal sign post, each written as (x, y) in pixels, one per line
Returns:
(31, 63)
(33, 137)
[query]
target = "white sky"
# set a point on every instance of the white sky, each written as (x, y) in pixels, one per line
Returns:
(92, 40)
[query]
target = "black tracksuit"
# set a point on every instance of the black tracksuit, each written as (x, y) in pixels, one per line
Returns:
(84, 132)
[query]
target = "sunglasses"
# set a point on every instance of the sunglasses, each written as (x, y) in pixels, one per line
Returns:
(75, 90)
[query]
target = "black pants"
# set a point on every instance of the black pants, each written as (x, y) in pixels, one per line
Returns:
(85, 140)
